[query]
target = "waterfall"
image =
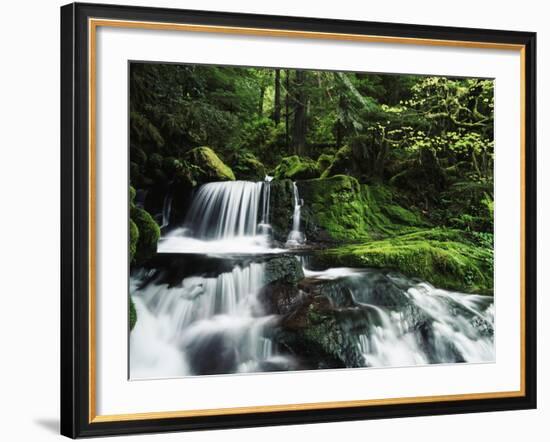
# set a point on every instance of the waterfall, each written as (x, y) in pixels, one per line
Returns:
(205, 325)
(296, 237)
(264, 228)
(225, 217)
(166, 210)
(208, 313)
(225, 210)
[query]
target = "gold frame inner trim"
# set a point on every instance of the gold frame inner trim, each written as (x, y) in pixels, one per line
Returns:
(93, 24)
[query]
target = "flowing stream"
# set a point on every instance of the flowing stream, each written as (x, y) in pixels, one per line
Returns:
(203, 309)
(296, 236)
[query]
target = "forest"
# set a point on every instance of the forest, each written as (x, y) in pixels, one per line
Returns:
(383, 171)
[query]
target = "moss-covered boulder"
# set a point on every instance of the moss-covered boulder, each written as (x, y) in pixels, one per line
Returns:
(248, 168)
(296, 168)
(281, 208)
(208, 166)
(148, 235)
(324, 161)
(132, 196)
(134, 237)
(450, 259)
(132, 314)
(283, 268)
(341, 209)
(281, 295)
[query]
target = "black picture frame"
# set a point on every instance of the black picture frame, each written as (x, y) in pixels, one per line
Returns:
(75, 221)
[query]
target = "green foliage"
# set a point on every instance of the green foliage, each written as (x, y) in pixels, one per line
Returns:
(339, 209)
(132, 314)
(208, 166)
(467, 205)
(296, 168)
(247, 167)
(148, 235)
(324, 161)
(395, 154)
(134, 237)
(341, 163)
(132, 196)
(445, 258)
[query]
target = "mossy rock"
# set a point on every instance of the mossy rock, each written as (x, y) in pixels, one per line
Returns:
(247, 167)
(134, 237)
(446, 258)
(132, 314)
(208, 166)
(132, 196)
(283, 269)
(324, 161)
(148, 235)
(340, 209)
(296, 168)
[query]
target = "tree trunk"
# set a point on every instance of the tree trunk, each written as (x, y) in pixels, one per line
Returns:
(287, 110)
(339, 125)
(277, 103)
(299, 132)
(261, 101)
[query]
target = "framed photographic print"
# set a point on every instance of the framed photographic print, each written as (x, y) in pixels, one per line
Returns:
(278, 220)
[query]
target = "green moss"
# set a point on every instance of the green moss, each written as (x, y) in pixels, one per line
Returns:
(324, 161)
(296, 168)
(207, 166)
(134, 236)
(446, 258)
(132, 314)
(247, 167)
(148, 235)
(339, 208)
(132, 195)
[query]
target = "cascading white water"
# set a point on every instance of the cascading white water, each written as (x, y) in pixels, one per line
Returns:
(296, 237)
(264, 228)
(224, 217)
(225, 210)
(456, 334)
(179, 328)
(426, 325)
(216, 324)
(166, 210)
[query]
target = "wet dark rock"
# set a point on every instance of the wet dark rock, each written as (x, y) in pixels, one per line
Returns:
(320, 334)
(283, 269)
(280, 299)
(282, 208)
(212, 355)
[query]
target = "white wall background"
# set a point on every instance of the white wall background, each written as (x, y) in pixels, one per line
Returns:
(29, 220)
